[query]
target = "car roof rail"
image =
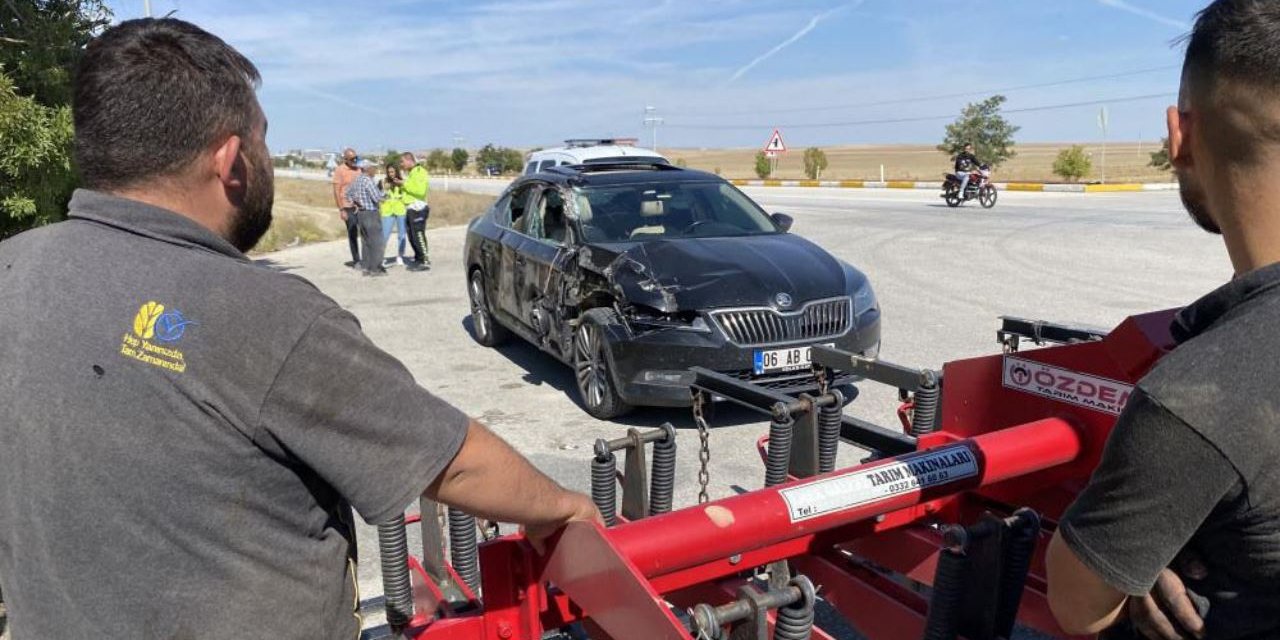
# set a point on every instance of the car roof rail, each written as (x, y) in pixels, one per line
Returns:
(577, 143)
(598, 167)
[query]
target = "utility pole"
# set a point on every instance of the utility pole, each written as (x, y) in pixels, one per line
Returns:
(1102, 124)
(652, 120)
(146, 8)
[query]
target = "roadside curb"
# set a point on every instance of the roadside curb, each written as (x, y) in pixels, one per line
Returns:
(1002, 186)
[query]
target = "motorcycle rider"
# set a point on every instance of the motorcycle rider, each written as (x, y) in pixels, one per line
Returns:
(966, 162)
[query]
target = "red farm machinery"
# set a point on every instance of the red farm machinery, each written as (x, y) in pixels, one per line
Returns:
(939, 533)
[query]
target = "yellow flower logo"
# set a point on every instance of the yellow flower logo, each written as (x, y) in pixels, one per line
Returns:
(144, 324)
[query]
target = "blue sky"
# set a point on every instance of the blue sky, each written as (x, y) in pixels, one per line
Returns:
(415, 73)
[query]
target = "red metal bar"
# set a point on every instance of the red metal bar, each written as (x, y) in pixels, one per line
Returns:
(698, 535)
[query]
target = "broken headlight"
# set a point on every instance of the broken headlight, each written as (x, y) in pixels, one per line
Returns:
(648, 318)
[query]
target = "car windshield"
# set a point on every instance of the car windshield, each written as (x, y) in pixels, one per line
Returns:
(623, 213)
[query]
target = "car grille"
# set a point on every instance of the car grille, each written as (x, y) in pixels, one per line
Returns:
(786, 382)
(816, 320)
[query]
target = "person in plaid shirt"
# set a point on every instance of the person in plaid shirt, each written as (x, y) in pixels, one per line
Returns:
(365, 195)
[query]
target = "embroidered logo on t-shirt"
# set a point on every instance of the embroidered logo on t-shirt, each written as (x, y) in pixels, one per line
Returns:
(154, 332)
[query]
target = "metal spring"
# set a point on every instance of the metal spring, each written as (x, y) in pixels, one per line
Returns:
(925, 414)
(462, 548)
(662, 478)
(604, 483)
(947, 600)
(795, 621)
(1020, 546)
(393, 548)
(779, 457)
(829, 417)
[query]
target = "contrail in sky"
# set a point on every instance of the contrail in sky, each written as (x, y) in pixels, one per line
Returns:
(804, 31)
(1150, 15)
(335, 98)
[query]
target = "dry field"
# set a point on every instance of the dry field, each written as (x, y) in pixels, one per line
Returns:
(304, 213)
(1126, 162)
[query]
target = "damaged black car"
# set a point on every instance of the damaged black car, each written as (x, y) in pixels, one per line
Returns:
(632, 273)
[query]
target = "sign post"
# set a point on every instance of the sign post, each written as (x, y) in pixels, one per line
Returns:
(1102, 124)
(773, 148)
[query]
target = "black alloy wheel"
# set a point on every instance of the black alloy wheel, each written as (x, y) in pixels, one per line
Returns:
(987, 196)
(591, 366)
(951, 193)
(486, 330)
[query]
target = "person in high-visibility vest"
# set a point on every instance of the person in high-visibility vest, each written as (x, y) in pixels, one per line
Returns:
(393, 209)
(415, 188)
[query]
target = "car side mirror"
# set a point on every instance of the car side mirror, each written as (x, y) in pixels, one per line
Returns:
(783, 221)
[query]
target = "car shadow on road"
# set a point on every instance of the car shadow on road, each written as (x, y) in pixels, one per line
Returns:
(273, 264)
(542, 368)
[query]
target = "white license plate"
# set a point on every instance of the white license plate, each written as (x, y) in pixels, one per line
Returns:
(789, 359)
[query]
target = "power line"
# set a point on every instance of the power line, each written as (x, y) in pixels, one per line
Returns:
(949, 116)
(944, 96)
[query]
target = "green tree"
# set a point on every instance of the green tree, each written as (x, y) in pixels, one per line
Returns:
(763, 166)
(512, 160)
(1072, 163)
(815, 162)
(981, 124)
(458, 159)
(391, 157)
(1160, 159)
(682, 163)
(487, 156)
(41, 42)
(36, 178)
(437, 160)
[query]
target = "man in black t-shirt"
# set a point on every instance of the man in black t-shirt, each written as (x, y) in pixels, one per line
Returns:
(1190, 468)
(966, 162)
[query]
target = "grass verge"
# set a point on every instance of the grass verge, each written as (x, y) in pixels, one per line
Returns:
(304, 213)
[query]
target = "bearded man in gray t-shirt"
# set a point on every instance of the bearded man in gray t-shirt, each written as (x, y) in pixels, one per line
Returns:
(183, 433)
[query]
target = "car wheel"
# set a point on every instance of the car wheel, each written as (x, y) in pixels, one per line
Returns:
(591, 366)
(486, 330)
(987, 197)
(952, 196)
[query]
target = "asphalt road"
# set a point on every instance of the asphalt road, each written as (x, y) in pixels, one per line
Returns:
(942, 276)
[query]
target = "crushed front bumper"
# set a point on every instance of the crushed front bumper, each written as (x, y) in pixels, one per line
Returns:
(652, 368)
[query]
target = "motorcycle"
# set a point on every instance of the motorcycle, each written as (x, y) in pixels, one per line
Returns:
(979, 187)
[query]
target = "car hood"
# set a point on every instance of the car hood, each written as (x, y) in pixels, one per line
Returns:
(705, 273)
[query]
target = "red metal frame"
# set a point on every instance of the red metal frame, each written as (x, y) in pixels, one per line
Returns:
(1031, 451)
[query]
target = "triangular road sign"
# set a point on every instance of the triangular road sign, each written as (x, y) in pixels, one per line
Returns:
(775, 145)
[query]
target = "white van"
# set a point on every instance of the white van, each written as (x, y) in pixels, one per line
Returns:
(591, 151)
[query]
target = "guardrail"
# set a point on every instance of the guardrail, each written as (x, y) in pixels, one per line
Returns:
(935, 185)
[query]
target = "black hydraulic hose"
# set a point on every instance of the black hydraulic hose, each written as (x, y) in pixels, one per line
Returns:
(393, 548)
(604, 484)
(662, 477)
(829, 417)
(779, 457)
(463, 549)
(947, 600)
(1024, 532)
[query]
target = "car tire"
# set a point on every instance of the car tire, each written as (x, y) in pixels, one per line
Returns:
(591, 368)
(484, 327)
(987, 197)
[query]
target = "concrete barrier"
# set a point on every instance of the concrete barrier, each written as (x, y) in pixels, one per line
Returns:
(1051, 187)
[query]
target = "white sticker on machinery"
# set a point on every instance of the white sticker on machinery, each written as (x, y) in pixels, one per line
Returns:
(1065, 385)
(912, 473)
